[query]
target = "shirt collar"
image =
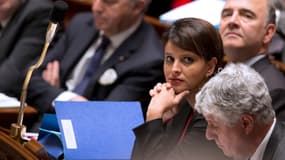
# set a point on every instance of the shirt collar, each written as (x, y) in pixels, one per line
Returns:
(253, 60)
(258, 155)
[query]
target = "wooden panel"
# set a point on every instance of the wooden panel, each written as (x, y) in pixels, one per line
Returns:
(10, 115)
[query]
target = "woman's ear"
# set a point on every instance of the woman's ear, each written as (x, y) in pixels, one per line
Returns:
(212, 66)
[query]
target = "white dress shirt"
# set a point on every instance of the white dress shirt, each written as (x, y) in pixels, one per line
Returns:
(253, 60)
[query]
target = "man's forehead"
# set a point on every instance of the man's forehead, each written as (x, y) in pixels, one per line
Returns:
(254, 4)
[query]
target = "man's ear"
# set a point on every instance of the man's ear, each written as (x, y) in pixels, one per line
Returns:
(247, 121)
(270, 31)
(212, 66)
(140, 6)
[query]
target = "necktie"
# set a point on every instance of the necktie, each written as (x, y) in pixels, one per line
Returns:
(93, 66)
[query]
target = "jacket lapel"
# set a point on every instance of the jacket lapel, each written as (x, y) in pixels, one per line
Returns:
(122, 53)
(79, 47)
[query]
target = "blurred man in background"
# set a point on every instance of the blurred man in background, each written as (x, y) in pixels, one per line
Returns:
(23, 25)
(130, 63)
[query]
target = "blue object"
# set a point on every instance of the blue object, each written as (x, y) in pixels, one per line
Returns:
(50, 137)
(99, 129)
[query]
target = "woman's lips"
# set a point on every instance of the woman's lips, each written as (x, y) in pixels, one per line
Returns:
(175, 81)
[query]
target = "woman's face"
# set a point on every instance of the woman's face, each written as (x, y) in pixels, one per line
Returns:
(185, 70)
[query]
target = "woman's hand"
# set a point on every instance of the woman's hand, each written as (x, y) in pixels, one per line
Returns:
(164, 102)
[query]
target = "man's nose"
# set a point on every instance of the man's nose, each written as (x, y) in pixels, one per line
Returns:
(234, 20)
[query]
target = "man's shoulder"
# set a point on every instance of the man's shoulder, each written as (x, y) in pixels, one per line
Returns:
(272, 76)
(82, 18)
(147, 37)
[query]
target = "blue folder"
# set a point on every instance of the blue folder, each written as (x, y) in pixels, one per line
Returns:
(50, 137)
(98, 129)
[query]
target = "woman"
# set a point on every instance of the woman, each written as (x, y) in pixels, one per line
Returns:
(193, 54)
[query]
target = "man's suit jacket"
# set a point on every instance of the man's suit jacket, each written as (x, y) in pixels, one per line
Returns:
(138, 62)
(276, 145)
(275, 81)
(21, 43)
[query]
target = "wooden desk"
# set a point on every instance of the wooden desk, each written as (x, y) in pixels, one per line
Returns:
(10, 115)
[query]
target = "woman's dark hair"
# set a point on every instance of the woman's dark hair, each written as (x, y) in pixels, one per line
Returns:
(198, 36)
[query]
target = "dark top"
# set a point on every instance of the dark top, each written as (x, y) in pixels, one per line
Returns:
(158, 141)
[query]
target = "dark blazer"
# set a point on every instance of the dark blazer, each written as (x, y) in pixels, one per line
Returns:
(138, 62)
(158, 141)
(21, 42)
(276, 145)
(275, 81)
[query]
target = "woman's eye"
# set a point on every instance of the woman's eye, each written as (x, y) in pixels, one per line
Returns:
(169, 59)
(188, 60)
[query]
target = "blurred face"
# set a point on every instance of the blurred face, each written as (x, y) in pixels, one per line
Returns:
(114, 16)
(228, 138)
(243, 26)
(7, 7)
(185, 70)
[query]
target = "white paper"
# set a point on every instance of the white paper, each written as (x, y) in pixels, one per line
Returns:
(68, 134)
(8, 102)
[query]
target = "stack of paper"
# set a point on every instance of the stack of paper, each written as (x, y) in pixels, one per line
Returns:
(8, 102)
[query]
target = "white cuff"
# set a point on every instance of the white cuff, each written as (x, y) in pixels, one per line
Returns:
(65, 96)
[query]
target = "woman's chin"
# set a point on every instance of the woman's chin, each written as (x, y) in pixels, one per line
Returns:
(179, 89)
